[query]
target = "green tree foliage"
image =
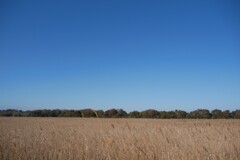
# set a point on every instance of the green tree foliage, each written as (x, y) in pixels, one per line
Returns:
(111, 113)
(217, 114)
(180, 114)
(200, 114)
(227, 114)
(70, 113)
(134, 114)
(150, 113)
(100, 113)
(88, 113)
(115, 113)
(236, 114)
(163, 115)
(120, 113)
(10, 113)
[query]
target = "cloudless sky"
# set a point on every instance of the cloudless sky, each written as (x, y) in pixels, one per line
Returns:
(127, 54)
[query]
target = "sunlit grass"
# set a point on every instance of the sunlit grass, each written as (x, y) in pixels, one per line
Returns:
(86, 138)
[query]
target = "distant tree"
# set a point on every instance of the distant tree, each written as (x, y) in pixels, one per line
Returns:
(111, 113)
(36, 113)
(163, 114)
(70, 113)
(100, 113)
(9, 112)
(227, 114)
(150, 113)
(180, 114)
(121, 113)
(217, 114)
(89, 113)
(171, 115)
(63, 113)
(55, 113)
(134, 114)
(200, 114)
(236, 114)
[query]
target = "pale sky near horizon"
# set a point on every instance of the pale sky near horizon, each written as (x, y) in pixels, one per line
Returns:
(127, 54)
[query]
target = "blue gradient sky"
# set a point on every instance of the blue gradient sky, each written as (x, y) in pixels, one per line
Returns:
(125, 54)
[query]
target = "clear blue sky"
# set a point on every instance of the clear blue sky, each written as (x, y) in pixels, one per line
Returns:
(133, 55)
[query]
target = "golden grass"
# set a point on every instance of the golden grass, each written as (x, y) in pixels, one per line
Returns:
(124, 139)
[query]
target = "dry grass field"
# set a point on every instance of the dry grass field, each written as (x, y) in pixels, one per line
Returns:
(124, 139)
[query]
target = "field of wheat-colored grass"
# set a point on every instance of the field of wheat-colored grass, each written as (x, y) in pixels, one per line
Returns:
(124, 139)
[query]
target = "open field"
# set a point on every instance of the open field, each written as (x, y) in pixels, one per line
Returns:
(79, 138)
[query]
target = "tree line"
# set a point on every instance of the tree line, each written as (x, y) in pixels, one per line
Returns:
(120, 113)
